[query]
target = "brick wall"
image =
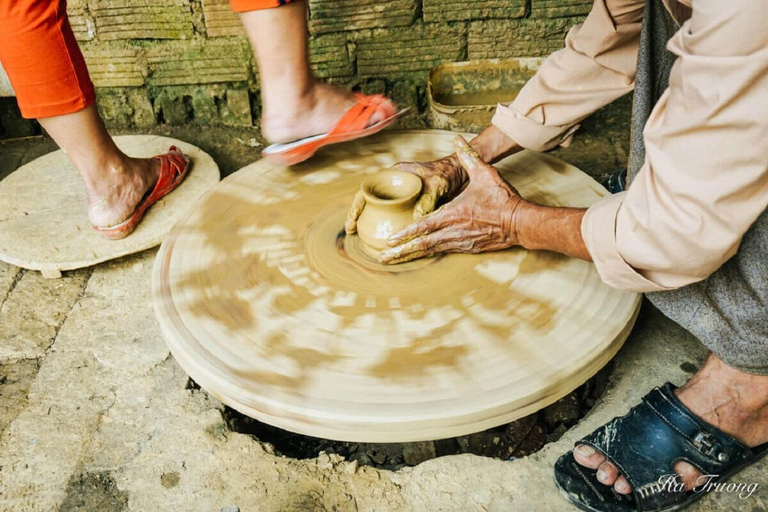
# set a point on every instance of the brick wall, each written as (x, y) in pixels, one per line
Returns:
(173, 61)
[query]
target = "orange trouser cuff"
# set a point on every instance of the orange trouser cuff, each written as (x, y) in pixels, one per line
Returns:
(255, 5)
(39, 53)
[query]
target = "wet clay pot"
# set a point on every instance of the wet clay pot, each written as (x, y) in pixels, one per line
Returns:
(389, 200)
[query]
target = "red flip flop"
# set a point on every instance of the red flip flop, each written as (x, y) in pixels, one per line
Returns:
(173, 169)
(353, 125)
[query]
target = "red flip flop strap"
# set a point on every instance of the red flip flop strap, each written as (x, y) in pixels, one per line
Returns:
(172, 165)
(358, 117)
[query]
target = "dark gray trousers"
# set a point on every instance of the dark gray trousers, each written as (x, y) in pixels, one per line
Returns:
(728, 311)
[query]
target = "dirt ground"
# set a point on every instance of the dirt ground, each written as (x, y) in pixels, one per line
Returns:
(95, 415)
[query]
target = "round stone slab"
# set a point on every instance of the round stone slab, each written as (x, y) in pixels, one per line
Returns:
(43, 219)
(267, 304)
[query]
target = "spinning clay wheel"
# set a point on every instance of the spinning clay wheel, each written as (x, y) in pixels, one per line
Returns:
(268, 305)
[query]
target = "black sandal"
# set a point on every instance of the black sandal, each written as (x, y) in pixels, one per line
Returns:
(645, 444)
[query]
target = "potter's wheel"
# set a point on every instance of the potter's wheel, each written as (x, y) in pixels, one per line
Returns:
(43, 221)
(269, 307)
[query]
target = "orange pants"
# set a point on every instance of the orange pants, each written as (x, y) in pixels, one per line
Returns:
(255, 5)
(46, 67)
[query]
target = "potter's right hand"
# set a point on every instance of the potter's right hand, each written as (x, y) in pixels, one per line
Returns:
(442, 180)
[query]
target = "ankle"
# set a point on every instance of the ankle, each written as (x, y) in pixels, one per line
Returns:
(289, 102)
(105, 169)
(724, 382)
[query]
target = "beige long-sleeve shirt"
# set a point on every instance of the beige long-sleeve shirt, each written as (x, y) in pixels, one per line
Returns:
(705, 177)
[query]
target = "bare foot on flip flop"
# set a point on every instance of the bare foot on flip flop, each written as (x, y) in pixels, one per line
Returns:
(114, 198)
(733, 401)
(319, 109)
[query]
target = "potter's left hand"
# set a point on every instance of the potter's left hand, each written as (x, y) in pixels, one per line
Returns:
(480, 219)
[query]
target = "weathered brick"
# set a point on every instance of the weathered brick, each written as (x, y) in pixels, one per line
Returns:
(406, 93)
(142, 19)
(114, 66)
(372, 86)
(330, 56)
(220, 20)
(416, 48)
(77, 6)
(173, 105)
(114, 107)
(560, 8)
(453, 10)
(82, 24)
(502, 39)
(125, 107)
(343, 15)
(204, 105)
(143, 113)
(212, 61)
(237, 109)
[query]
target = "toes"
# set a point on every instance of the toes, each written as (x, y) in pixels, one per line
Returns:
(607, 473)
(689, 475)
(587, 456)
(385, 110)
(622, 485)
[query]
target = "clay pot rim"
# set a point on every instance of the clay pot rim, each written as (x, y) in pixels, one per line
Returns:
(412, 181)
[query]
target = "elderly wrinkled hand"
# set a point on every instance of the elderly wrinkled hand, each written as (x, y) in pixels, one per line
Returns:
(479, 219)
(441, 180)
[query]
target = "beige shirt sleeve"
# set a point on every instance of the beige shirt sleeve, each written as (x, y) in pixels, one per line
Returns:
(705, 178)
(597, 66)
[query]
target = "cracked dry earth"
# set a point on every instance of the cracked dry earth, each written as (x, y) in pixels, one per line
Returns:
(95, 415)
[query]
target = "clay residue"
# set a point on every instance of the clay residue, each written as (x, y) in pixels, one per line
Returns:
(281, 238)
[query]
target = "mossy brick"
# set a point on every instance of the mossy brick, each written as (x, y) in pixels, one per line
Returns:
(82, 24)
(406, 93)
(143, 112)
(404, 50)
(125, 107)
(345, 15)
(503, 39)
(372, 86)
(199, 62)
(76, 6)
(173, 105)
(83, 27)
(114, 107)
(114, 65)
(142, 19)
(560, 8)
(330, 56)
(236, 111)
(204, 105)
(454, 10)
(220, 20)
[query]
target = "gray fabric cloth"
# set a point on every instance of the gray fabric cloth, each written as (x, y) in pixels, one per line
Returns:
(728, 311)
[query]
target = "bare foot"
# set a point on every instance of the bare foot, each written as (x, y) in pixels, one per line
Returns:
(315, 112)
(733, 401)
(113, 197)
